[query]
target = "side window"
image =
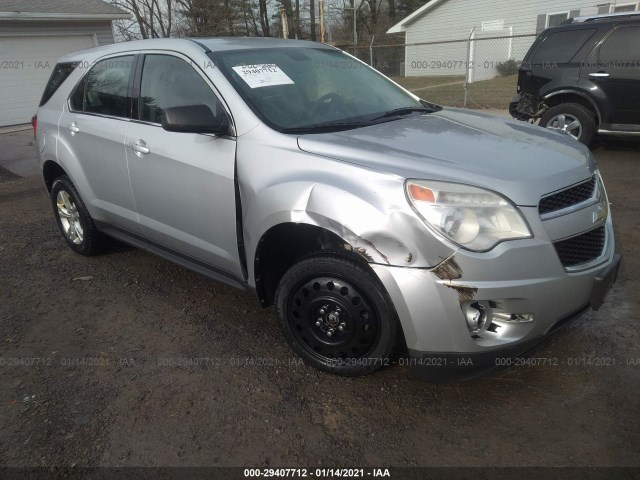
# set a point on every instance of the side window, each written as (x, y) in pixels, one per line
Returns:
(105, 89)
(168, 81)
(561, 47)
(621, 46)
(60, 73)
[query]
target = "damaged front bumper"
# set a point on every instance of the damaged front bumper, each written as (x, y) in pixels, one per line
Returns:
(475, 311)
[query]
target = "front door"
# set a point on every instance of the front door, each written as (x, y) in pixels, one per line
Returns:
(183, 183)
(614, 68)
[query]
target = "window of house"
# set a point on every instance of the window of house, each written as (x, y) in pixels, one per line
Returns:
(169, 81)
(629, 7)
(105, 89)
(555, 19)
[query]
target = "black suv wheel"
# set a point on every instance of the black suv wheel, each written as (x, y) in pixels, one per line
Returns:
(571, 119)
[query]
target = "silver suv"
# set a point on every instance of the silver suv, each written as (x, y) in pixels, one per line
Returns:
(373, 220)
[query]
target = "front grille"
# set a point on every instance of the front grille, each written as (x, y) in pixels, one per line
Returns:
(567, 198)
(581, 248)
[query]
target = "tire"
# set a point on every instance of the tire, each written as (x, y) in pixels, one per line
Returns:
(571, 119)
(73, 219)
(336, 315)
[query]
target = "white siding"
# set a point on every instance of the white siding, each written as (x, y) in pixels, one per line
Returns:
(455, 19)
(102, 29)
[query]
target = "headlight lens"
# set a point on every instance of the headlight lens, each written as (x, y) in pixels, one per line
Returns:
(472, 217)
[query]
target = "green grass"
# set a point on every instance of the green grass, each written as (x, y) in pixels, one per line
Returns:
(494, 93)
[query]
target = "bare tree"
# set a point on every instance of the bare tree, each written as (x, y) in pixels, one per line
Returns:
(151, 18)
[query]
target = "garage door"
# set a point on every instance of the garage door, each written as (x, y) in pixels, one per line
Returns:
(26, 64)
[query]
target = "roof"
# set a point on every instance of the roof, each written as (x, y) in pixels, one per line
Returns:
(241, 43)
(605, 16)
(60, 10)
(191, 46)
(401, 26)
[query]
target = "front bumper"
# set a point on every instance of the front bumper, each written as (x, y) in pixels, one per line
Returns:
(522, 277)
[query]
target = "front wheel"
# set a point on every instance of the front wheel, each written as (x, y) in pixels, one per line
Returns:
(336, 315)
(571, 119)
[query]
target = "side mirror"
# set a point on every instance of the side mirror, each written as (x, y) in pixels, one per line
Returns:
(194, 119)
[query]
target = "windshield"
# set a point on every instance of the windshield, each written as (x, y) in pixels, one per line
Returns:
(306, 89)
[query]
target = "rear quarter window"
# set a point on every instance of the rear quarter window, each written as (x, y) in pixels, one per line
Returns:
(561, 47)
(60, 73)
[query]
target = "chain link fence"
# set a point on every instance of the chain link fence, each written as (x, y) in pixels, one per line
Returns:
(477, 72)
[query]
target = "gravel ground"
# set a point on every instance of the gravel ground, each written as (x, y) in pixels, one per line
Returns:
(99, 367)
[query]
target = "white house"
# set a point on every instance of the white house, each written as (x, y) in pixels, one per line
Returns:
(436, 34)
(33, 35)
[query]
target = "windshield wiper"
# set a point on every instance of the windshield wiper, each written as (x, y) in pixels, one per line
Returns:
(397, 112)
(325, 127)
(342, 125)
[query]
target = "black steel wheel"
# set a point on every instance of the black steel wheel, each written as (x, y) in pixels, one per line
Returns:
(336, 315)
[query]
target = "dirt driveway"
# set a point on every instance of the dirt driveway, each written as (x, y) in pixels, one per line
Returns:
(127, 360)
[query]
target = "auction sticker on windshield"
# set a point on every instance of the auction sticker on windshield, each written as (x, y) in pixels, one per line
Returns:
(262, 75)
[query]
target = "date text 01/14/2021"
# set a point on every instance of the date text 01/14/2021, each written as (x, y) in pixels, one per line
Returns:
(318, 472)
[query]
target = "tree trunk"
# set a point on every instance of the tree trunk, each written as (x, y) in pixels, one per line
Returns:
(288, 8)
(297, 20)
(264, 18)
(312, 18)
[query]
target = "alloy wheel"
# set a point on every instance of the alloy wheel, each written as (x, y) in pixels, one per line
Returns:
(567, 124)
(69, 217)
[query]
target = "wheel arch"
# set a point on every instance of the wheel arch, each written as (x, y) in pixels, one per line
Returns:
(285, 244)
(50, 171)
(573, 96)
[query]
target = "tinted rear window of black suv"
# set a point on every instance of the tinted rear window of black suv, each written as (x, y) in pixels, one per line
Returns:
(561, 47)
(60, 73)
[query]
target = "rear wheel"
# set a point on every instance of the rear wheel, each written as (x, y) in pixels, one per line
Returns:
(571, 119)
(336, 315)
(73, 218)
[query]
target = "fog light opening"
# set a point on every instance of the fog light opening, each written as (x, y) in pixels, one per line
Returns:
(476, 317)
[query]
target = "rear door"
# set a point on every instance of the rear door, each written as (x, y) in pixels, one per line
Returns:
(554, 61)
(183, 183)
(91, 140)
(614, 69)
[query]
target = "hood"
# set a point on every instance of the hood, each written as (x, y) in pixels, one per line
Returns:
(516, 159)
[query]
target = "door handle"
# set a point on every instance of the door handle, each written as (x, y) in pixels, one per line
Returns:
(599, 74)
(73, 128)
(140, 147)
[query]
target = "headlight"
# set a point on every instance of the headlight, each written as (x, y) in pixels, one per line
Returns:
(474, 218)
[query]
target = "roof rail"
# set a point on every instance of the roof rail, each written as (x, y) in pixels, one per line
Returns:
(604, 16)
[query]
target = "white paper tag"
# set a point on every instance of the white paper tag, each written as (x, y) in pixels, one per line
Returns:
(263, 75)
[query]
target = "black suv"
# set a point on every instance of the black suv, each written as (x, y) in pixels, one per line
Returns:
(583, 77)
